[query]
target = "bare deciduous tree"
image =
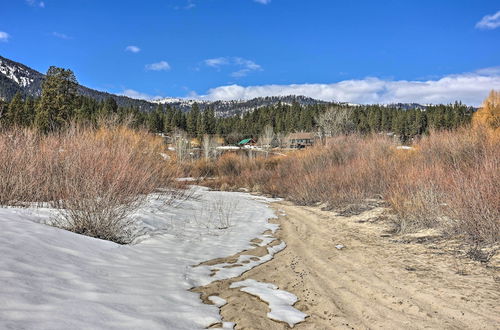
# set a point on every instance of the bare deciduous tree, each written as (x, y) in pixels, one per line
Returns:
(335, 121)
(281, 139)
(266, 138)
(209, 145)
(181, 144)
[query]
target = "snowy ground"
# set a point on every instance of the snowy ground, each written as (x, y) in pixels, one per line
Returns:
(55, 279)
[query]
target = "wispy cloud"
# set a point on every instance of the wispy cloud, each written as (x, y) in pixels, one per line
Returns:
(138, 95)
(132, 49)
(160, 66)
(61, 35)
(470, 88)
(489, 21)
(244, 66)
(4, 36)
(35, 3)
(189, 5)
(264, 2)
(216, 62)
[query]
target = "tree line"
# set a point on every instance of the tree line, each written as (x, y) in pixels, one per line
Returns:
(60, 104)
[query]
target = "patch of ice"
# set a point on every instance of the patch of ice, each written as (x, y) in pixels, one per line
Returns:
(217, 301)
(266, 240)
(205, 274)
(186, 179)
(226, 325)
(272, 227)
(280, 302)
(228, 148)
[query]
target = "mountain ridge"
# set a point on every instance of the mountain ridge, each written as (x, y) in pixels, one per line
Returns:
(17, 77)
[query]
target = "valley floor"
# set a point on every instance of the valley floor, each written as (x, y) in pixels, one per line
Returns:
(373, 281)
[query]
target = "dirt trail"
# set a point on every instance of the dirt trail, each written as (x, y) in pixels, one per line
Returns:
(372, 283)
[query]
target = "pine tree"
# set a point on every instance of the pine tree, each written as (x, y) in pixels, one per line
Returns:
(15, 110)
(28, 112)
(155, 120)
(109, 107)
(167, 119)
(57, 102)
(192, 120)
(3, 111)
(419, 126)
(209, 121)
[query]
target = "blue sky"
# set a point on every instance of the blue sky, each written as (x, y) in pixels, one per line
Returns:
(355, 51)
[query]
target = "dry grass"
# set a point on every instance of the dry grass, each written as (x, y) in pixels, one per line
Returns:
(97, 178)
(449, 180)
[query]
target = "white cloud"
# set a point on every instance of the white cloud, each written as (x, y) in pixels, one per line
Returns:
(245, 66)
(189, 5)
(160, 66)
(264, 2)
(133, 49)
(4, 36)
(240, 73)
(489, 21)
(216, 62)
(138, 95)
(470, 88)
(61, 35)
(35, 3)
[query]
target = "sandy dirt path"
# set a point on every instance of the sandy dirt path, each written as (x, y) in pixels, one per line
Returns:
(375, 282)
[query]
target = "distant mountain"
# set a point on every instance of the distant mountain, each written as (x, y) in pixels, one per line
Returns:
(407, 106)
(16, 77)
(235, 107)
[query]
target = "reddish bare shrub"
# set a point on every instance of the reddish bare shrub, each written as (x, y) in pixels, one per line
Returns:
(448, 179)
(229, 165)
(96, 178)
(452, 181)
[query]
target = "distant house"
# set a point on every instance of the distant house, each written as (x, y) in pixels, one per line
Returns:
(301, 140)
(246, 142)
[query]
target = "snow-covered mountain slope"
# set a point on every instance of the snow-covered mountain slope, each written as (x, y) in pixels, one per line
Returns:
(16, 77)
(19, 78)
(18, 74)
(232, 107)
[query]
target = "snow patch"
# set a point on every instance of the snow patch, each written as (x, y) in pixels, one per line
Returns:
(226, 325)
(55, 279)
(19, 75)
(217, 301)
(204, 275)
(280, 302)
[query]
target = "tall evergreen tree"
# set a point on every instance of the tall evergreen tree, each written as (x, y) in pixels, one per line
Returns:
(155, 120)
(28, 112)
(109, 107)
(57, 102)
(209, 121)
(192, 120)
(16, 110)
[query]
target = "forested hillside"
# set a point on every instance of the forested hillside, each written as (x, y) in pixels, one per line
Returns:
(61, 102)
